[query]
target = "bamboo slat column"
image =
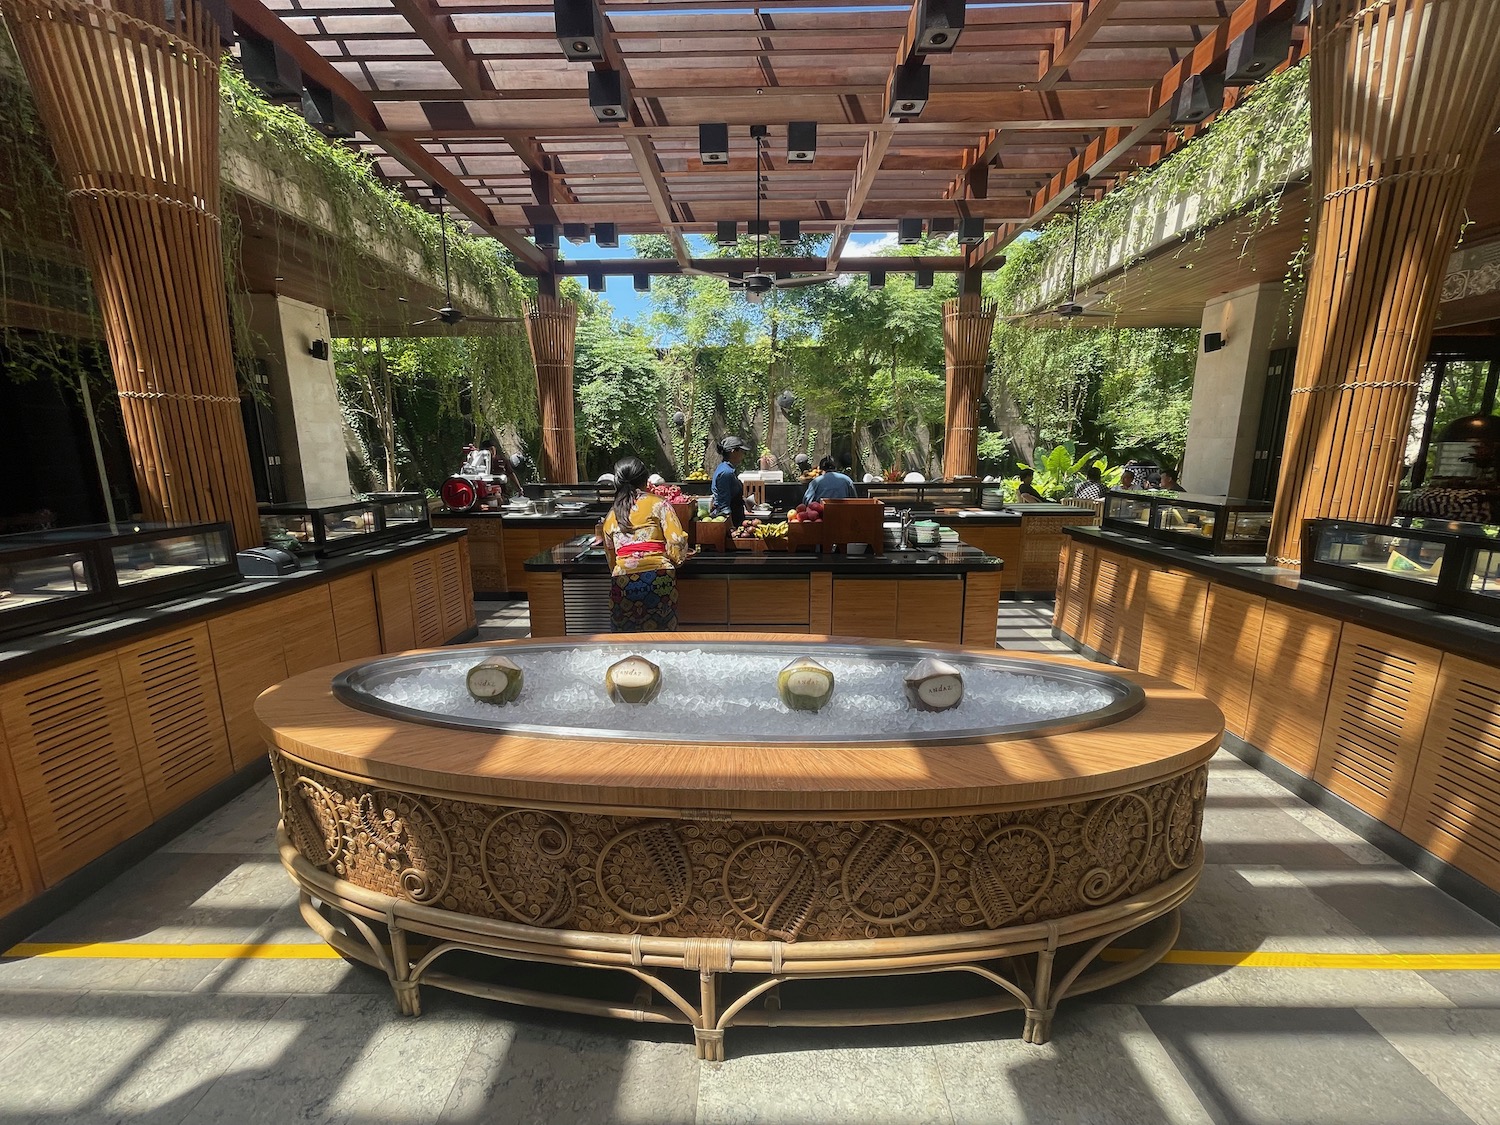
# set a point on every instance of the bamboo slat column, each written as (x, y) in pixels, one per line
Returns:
(1404, 93)
(551, 326)
(129, 93)
(968, 324)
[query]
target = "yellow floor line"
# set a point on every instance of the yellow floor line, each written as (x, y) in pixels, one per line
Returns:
(314, 951)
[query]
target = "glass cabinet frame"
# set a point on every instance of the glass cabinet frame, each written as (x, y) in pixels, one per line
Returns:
(1449, 564)
(347, 525)
(1216, 525)
(111, 567)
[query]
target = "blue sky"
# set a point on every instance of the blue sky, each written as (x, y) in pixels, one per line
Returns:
(630, 305)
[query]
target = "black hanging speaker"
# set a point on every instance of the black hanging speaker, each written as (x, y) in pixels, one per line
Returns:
(877, 279)
(545, 235)
(924, 279)
(789, 229)
(760, 227)
(1199, 98)
(577, 24)
(318, 349)
(939, 23)
(607, 95)
(970, 231)
(643, 284)
(596, 282)
(713, 143)
(270, 67)
(908, 231)
(801, 142)
(909, 86)
(942, 225)
(1213, 341)
(576, 232)
(328, 113)
(726, 232)
(606, 234)
(1258, 52)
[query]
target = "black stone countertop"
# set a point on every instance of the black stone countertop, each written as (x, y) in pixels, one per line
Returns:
(578, 557)
(1423, 623)
(1012, 515)
(20, 655)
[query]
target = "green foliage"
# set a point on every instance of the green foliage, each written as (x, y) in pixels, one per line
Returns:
(1062, 467)
(620, 389)
(994, 448)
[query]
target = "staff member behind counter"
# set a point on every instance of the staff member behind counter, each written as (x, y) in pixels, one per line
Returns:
(728, 489)
(645, 545)
(829, 484)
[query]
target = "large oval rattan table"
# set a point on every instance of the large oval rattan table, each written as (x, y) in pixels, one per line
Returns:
(717, 876)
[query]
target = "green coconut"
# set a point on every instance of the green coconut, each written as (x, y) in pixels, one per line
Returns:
(934, 685)
(804, 684)
(632, 680)
(496, 679)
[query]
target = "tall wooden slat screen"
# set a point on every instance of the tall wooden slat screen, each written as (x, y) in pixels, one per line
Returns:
(1403, 96)
(129, 93)
(968, 323)
(550, 326)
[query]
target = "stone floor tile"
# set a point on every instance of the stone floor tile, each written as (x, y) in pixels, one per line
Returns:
(132, 1058)
(24, 1014)
(1458, 1051)
(78, 975)
(245, 826)
(1094, 1048)
(822, 1076)
(542, 1068)
(1297, 1066)
(1265, 908)
(323, 976)
(1197, 986)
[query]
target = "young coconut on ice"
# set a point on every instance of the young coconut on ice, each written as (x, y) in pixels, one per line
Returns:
(934, 685)
(496, 679)
(804, 684)
(632, 680)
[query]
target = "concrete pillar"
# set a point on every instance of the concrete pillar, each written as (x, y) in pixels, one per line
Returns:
(305, 397)
(1228, 386)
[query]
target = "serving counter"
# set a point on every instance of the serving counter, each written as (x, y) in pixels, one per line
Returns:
(1383, 710)
(948, 594)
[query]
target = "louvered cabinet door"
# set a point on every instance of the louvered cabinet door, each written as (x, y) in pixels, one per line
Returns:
(1293, 672)
(457, 607)
(76, 764)
(1077, 584)
(427, 601)
(247, 660)
(20, 881)
(1116, 608)
(1377, 712)
(173, 697)
(1172, 626)
(1454, 811)
(1226, 654)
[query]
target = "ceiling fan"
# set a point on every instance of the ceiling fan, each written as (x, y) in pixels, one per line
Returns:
(1072, 308)
(757, 284)
(450, 314)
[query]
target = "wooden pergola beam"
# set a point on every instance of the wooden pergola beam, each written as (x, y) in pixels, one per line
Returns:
(429, 22)
(1089, 16)
(721, 267)
(1105, 150)
(265, 23)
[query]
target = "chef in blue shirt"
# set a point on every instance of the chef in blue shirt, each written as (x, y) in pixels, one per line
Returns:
(830, 484)
(727, 488)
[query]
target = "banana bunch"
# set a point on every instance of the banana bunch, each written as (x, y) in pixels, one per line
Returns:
(771, 531)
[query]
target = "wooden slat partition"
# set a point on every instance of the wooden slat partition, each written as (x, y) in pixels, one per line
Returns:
(426, 601)
(1114, 623)
(1293, 672)
(1172, 625)
(968, 324)
(20, 880)
(982, 607)
(173, 697)
(1377, 710)
(129, 93)
(457, 605)
(1404, 95)
(76, 766)
(1226, 656)
(551, 326)
(1454, 810)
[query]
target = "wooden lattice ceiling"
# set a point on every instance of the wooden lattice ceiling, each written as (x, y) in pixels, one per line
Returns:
(478, 96)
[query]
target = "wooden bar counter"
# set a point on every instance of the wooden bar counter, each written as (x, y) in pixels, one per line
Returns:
(1384, 712)
(1014, 858)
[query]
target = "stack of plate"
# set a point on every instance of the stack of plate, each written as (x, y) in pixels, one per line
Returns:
(926, 533)
(991, 499)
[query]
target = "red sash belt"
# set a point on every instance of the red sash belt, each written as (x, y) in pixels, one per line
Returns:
(649, 547)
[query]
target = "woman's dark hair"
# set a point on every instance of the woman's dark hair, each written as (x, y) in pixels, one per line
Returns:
(1026, 475)
(828, 465)
(630, 479)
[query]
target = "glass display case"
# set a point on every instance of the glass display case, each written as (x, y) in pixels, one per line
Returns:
(1218, 525)
(347, 525)
(55, 577)
(1455, 565)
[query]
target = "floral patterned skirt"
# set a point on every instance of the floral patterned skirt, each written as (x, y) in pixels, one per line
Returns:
(643, 601)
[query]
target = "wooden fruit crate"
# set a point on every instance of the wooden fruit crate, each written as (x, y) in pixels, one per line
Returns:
(805, 536)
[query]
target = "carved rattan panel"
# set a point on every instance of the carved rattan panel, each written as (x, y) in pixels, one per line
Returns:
(173, 696)
(1454, 810)
(968, 324)
(1377, 709)
(1226, 656)
(818, 880)
(75, 760)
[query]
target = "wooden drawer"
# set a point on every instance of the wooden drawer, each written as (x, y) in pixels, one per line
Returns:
(702, 601)
(768, 601)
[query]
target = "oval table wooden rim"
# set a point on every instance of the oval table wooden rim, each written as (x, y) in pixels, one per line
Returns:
(1175, 731)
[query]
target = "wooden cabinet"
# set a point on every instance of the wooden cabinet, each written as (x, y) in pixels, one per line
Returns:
(702, 602)
(1003, 541)
(1226, 657)
(309, 637)
(1293, 671)
(916, 609)
(248, 658)
(356, 623)
(20, 881)
(485, 550)
(864, 607)
(769, 601)
(1171, 625)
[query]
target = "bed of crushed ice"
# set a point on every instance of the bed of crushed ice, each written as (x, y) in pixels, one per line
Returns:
(727, 696)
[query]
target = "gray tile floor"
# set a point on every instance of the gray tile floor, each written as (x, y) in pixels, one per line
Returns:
(187, 1031)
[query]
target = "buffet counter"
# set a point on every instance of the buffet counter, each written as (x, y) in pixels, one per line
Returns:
(949, 594)
(1384, 711)
(129, 721)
